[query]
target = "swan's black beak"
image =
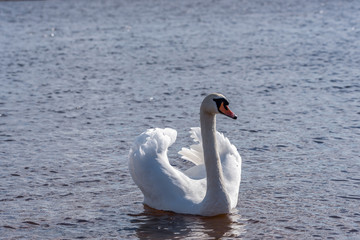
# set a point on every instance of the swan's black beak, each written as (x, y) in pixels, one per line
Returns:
(224, 109)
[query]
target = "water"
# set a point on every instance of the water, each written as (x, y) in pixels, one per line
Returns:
(80, 79)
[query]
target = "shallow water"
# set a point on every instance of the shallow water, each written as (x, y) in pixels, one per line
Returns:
(80, 79)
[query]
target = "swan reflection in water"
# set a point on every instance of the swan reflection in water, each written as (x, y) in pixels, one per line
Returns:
(156, 224)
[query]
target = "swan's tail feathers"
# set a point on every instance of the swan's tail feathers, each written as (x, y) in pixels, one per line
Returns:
(195, 153)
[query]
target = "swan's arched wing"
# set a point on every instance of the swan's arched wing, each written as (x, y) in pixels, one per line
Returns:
(230, 161)
(231, 165)
(148, 155)
(195, 153)
(164, 187)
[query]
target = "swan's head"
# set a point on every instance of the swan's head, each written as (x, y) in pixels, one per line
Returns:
(217, 103)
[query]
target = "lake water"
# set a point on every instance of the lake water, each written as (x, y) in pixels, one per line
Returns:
(79, 80)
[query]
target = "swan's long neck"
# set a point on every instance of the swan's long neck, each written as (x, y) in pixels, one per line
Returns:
(215, 192)
(211, 155)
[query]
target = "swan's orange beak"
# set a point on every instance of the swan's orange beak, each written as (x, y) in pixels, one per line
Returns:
(224, 109)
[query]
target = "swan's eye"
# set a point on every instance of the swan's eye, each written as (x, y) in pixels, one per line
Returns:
(222, 105)
(220, 101)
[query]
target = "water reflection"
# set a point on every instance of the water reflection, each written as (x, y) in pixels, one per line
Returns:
(155, 224)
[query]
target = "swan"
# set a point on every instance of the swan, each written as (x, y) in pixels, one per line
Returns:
(209, 188)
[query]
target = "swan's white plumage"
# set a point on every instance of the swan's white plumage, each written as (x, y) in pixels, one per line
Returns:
(230, 161)
(167, 188)
(195, 153)
(164, 187)
(210, 187)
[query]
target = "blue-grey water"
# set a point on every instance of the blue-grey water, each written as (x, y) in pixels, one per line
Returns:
(79, 80)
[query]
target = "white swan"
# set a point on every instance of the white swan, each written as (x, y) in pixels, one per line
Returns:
(209, 188)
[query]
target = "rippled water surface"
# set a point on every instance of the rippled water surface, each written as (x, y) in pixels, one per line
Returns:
(80, 79)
